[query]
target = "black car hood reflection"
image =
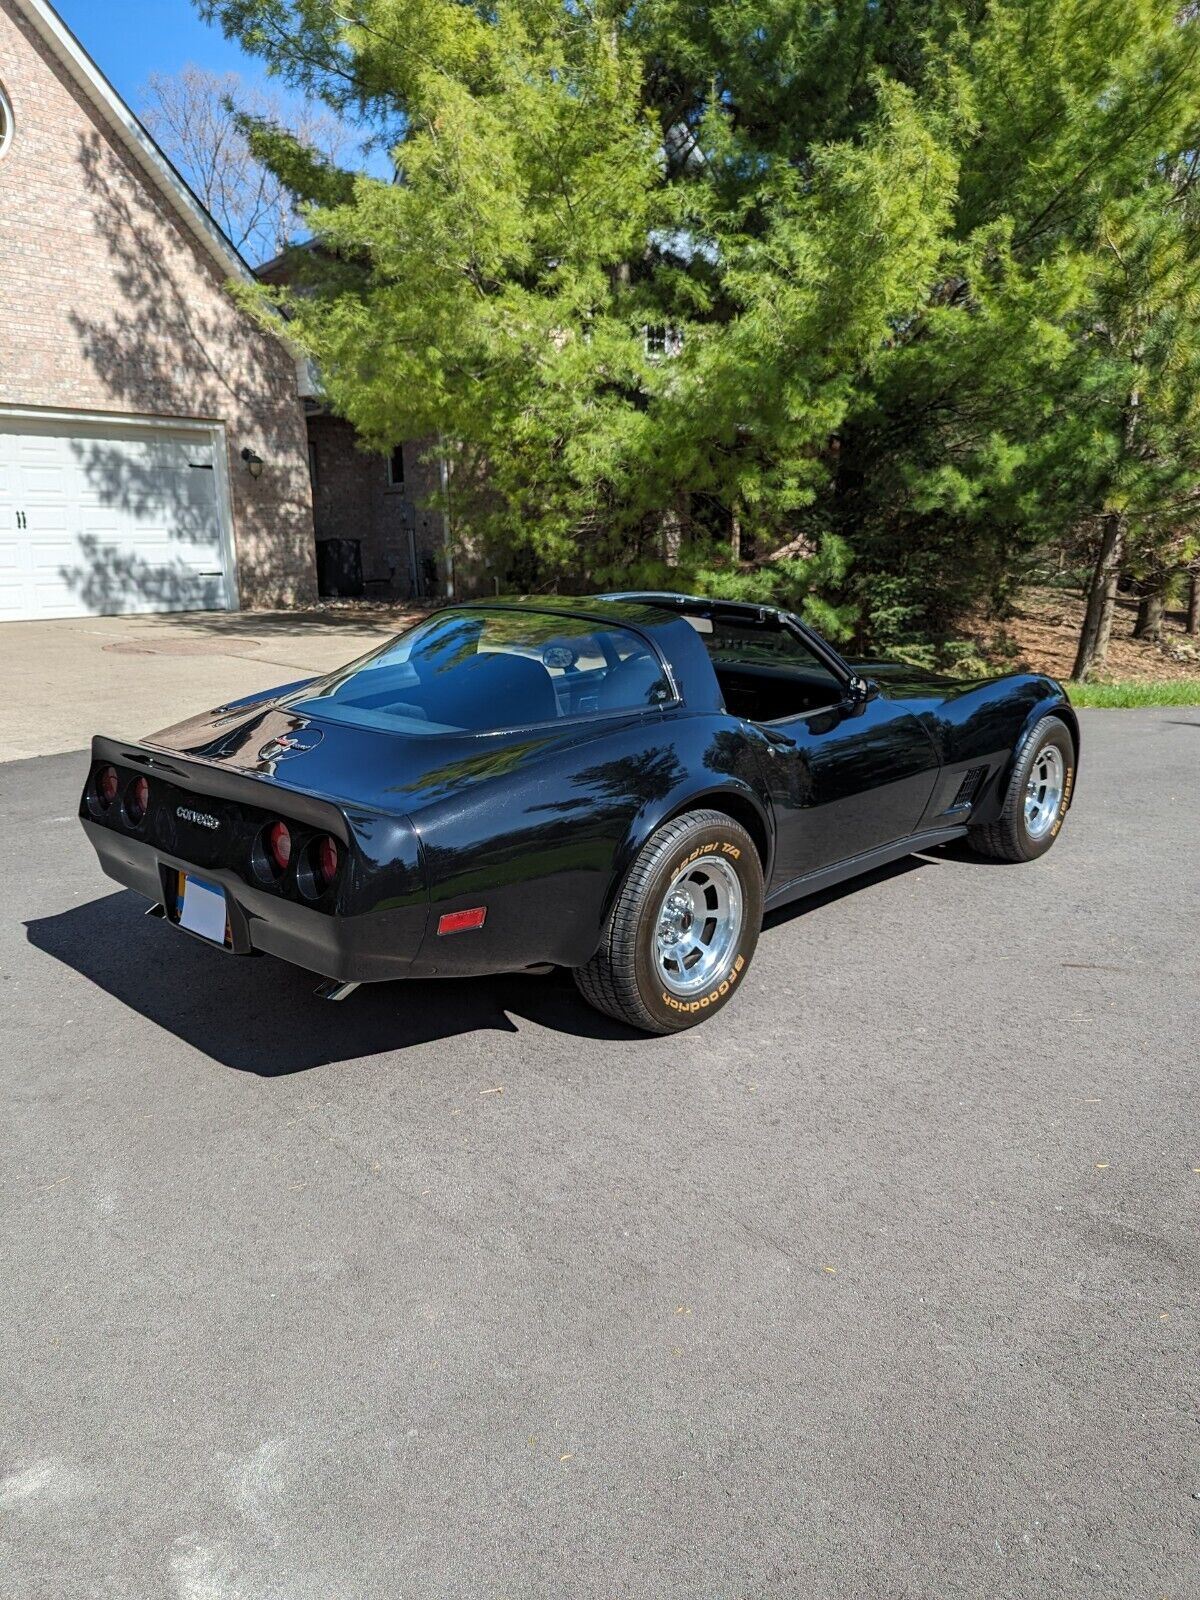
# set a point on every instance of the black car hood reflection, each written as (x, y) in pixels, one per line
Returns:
(900, 680)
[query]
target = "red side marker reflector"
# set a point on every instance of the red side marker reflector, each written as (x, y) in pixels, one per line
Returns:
(462, 921)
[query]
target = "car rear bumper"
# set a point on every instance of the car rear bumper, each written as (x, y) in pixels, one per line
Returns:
(369, 948)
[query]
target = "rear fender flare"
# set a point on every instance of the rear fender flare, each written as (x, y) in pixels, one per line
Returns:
(738, 800)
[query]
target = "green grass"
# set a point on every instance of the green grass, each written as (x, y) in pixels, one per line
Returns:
(1182, 692)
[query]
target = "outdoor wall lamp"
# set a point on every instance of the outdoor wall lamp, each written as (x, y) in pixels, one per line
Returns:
(254, 464)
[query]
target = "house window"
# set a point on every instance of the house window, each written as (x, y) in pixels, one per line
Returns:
(312, 463)
(6, 122)
(396, 468)
(662, 341)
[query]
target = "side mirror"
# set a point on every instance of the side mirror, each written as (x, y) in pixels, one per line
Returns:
(858, 692)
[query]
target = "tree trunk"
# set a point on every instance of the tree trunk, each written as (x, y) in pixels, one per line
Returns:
(1149, 624)
(1102, 592)
(735, 535)
(1102, 599)
(1193, 612)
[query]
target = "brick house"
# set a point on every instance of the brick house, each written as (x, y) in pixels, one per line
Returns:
(379, 519)
(154, 453)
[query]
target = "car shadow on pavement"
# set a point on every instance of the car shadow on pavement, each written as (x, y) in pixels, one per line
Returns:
(261, 1015)
(813, 902)
(962, 850)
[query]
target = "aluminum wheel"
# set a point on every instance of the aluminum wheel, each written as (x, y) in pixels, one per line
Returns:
(1044, 791)
(698, 926)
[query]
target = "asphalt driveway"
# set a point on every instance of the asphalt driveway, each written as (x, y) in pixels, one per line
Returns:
(881, 1284)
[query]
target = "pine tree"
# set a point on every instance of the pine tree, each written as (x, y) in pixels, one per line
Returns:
(900, 295)
(1044, 394)
(614, 271)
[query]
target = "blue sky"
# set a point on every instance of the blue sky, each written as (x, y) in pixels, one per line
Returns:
(130, 39)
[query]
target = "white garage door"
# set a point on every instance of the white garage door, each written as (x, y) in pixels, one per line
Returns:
(104, 519)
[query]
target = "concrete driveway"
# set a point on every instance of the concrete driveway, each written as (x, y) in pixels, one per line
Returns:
(881, 1284)
(65, 681)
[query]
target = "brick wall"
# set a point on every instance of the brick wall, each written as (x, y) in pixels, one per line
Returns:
(396, 525)
(108, 304)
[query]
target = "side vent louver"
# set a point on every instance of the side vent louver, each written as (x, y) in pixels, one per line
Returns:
(968, 788)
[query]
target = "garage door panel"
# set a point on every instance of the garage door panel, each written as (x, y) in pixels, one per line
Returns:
(189, 517)
(52, 555)
(33, 447)
(102, 522)
(43, 484)
(114, 520)
(111, 578)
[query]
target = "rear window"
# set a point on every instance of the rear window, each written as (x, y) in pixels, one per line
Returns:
(732, 643)
(480, 670)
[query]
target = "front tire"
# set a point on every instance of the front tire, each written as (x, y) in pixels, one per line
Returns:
(683, 929)
(1037, 797)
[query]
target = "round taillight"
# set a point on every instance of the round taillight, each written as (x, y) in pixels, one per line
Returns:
(106, 786)
(327, 861)
(279, 845)
(137, 801)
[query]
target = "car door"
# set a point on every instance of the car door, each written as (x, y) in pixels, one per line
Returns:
(847, 772)
(847, 781)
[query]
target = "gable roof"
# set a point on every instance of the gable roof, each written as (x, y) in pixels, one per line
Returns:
(131, 136)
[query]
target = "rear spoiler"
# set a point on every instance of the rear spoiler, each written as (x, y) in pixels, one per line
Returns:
(211, 778)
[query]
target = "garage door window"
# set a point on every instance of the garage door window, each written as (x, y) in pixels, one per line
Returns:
(6, 123)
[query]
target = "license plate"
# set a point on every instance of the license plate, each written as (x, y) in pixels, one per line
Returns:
(202, 908)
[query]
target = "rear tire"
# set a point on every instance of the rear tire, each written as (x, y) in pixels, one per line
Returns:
(1036, 800)
(683, 929)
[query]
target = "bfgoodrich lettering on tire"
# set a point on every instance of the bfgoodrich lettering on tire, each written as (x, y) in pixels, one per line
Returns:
(679, 940)
(1037, 797)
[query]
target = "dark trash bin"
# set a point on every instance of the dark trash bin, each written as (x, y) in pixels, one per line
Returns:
(339, 568)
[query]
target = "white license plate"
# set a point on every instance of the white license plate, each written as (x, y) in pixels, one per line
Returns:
(202, 908)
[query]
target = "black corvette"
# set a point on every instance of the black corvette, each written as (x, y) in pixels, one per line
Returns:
(621, 785)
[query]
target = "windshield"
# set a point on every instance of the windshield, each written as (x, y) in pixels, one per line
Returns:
(480, 670)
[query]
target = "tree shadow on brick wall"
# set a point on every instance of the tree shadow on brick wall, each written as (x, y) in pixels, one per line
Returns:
(160, 351)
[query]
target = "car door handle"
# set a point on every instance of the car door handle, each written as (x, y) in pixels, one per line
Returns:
(777, 741)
